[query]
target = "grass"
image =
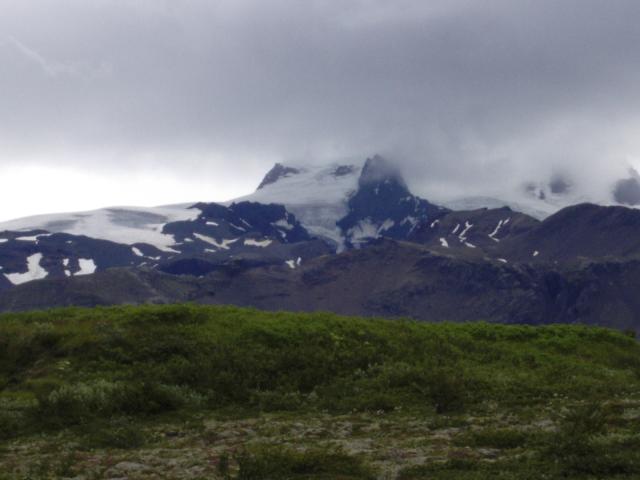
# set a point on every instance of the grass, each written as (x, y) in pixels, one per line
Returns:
(114, 376)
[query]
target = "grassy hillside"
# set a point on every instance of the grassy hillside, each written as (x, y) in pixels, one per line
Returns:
(251, 395)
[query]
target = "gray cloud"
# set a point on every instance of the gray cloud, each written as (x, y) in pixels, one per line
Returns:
(472, 96)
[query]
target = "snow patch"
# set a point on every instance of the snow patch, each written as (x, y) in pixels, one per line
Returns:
(455, 230)
(536, 253)
(87, 266)
(34, 271)
(33, 238)
(444, 243)
(291, 263)
(283, 223)
(502, 260)
(364, 230)
(467, 227)
(224, 245)
(136, 251)
(386, 225)
(434, 223)
(212, 224)
(257, 243)
(493, 234)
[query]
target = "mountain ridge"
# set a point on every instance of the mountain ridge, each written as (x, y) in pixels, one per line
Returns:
(387, 252)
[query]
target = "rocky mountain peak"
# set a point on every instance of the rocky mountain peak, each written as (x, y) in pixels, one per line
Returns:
(276, 173)
(378, 170)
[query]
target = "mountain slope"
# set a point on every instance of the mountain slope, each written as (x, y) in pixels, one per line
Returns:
(584, 232)
(387, 278)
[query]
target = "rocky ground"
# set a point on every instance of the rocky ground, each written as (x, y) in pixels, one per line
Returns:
(389, 443)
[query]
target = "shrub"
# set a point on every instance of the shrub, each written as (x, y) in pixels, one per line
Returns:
(578, 450)
(117, 433)
(278, 463)
(502, 438)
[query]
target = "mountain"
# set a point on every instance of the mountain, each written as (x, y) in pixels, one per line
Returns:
(383, 206)
(387, 278)
(207, 236)
(346, 238)
(579, 233)
(317, 196)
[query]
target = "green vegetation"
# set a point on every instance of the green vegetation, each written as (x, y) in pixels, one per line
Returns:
(454, 400)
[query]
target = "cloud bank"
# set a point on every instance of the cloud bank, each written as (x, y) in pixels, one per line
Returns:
(472, 97)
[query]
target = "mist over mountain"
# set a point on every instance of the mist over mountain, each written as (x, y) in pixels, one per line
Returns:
(147, 103)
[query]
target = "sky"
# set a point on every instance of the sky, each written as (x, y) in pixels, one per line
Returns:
(148, 102)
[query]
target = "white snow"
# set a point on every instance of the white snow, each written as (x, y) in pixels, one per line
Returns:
(291, 263)
(67, 273)
(3, 240)
(299, 261)
(136, 251)
(87, 266)
(33, 238)
(434, 223)
(213, 224)
(386, 225)
(315, 196)
(470, 245)
(283, 223)
(536, 253)
(493, 234)
(34, 271)
(444, 243)
(455, 230)
(212, 241)
(367, 229)
(127, 225)
(65, 262)
(242, 229)
(467, 226)
(502, 260)
(257, 243)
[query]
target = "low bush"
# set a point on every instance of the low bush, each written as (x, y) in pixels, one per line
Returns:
(278, 463)
(119, 433)
(82, 365)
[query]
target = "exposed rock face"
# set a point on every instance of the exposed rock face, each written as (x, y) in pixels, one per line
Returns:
(388, 278)
(403, 256)
(276, 173)
(384, 206)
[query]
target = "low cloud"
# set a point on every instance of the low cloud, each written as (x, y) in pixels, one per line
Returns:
(471, 97)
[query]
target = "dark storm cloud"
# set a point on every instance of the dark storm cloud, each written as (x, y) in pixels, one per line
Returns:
(479, 94)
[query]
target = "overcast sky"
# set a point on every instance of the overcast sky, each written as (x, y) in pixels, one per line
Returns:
(146, 102)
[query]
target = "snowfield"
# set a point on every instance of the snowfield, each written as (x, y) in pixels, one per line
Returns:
(127, 225)
(34, 271)
(317, 196)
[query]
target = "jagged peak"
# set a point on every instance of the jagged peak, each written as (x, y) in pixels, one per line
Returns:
(377, 169)
(276, 173)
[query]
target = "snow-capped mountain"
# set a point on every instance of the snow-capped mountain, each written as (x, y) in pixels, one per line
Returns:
(297, 213)
(317, 196)
(346, 237)
(199, 239)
